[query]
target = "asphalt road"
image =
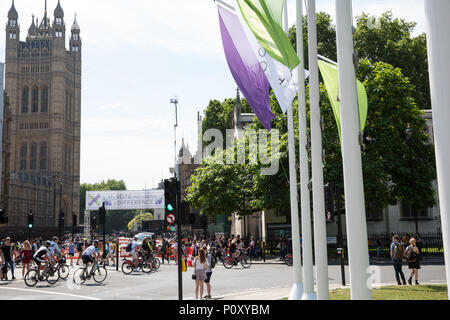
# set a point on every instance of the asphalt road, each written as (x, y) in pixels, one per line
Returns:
(162, 285)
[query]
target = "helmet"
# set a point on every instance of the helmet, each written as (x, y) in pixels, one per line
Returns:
(96, 242)
(48, 243)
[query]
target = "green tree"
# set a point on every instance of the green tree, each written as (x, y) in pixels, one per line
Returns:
(141, 216)
(390, 40)
(219, 115)
(218, 188)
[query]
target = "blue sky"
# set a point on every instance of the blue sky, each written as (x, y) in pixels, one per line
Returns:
(136, 56)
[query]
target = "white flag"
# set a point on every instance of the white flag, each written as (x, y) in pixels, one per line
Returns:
(280, 77)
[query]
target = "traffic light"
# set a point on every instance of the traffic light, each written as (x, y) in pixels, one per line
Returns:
(3, 217)
(74, 219)
(184, 212)
(102, 214)
(170, 196)
(93, 222)
(30, 220)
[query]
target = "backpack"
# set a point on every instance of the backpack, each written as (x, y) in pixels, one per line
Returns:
(128, 249)
(398, 252)
(410, 255)
(213, 260)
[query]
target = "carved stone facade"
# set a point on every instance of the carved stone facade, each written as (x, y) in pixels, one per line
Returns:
(43, 84)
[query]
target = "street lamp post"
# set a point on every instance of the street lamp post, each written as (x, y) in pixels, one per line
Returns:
(409, 133)
(177, 204)
(61, 219)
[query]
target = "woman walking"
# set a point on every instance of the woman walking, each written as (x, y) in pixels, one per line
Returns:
(200, 266)
(412, 257)
(27, 253)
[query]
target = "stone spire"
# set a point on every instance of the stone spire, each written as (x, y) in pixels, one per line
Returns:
(12, 14)
(75, 26)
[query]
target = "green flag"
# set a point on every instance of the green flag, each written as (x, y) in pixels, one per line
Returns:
(264, 18)
(330, 75)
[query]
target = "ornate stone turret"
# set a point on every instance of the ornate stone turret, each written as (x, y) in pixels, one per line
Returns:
(12, 32)
(59, 27)
(75, 40)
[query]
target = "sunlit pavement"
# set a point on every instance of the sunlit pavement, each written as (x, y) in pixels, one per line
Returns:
(260, 281)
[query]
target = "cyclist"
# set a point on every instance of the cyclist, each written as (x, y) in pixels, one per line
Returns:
(90, 255)
(135, 245)
(147, 249)
(40, 255)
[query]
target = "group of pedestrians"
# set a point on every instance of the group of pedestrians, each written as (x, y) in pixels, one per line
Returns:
(411, 254)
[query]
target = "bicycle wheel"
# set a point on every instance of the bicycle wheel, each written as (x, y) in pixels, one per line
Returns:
(246, 261)
(52, 275)
(155, 263)
(127, 267)
(228, 263)
(31, 278)
(63, 271)
(100, 274)
(146, 267)
(79, 276)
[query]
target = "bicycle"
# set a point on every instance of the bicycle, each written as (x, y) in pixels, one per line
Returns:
(49, 274)
(62, 267)
(243, 258)
(82, 274)
(128, 265)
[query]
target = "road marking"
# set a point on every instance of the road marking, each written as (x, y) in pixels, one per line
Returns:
(51, 292)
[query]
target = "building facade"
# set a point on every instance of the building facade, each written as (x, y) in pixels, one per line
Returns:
(43, 84)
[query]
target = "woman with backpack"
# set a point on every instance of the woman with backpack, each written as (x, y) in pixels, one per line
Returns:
(412, 257)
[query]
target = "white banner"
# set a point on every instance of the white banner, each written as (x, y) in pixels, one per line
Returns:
(125, 200)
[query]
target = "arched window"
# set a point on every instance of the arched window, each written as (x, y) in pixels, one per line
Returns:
(23, 156)
(44, 106)
(25, 99)
(33, 157)
(35, 100)
(43, 156)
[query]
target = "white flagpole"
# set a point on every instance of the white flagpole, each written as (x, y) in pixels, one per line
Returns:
(308, 271)
(438, 42)
(355, 211)
(297, 287)
(320, 230)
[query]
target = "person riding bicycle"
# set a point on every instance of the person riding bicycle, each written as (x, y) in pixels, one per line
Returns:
(39, 257)
(55, 250)
(135, 245)
(146, 248)
(90, 255)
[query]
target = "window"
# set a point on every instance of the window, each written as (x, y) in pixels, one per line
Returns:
(33, 158)
(23, 156)
(44, 106)
(43, 156)
(58, 20)
(35, 102)
(373, 212)
(75, 36)
(12, 23)
(25, 99)
(408, 213)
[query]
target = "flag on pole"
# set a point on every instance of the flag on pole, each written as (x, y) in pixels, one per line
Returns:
(280, 76)
(330, 75)
(264, 18)
(245, 67)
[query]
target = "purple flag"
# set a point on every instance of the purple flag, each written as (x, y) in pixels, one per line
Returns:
(245, 66)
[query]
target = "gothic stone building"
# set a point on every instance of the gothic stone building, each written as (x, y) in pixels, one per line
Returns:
(43, 85)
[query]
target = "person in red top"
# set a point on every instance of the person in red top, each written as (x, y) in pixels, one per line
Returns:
(27, 253)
